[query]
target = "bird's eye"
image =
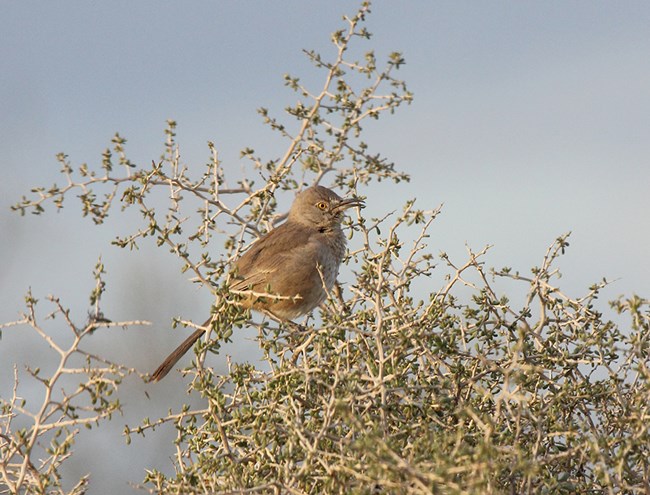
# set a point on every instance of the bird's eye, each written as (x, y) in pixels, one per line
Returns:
(321, 205)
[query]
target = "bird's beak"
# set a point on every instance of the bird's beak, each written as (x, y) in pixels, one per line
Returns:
(349, 203)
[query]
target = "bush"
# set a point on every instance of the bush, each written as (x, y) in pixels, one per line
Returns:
(420, 377)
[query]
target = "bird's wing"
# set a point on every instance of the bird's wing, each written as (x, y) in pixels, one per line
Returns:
(270, 253)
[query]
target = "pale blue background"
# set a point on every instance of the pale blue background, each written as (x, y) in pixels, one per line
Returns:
(530, 119)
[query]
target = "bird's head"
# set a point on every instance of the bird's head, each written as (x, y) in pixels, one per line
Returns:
(321, 207)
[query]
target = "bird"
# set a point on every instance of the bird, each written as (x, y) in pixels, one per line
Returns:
(288, 271)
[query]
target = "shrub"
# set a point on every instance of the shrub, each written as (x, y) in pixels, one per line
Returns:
(420, 376)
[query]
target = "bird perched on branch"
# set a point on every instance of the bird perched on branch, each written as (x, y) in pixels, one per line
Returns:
(288, 271)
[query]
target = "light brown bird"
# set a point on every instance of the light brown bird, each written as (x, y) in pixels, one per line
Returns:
(288, 271)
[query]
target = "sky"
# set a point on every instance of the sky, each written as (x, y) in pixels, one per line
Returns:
(530, 119)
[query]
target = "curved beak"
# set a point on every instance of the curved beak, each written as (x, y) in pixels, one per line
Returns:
(345, 204)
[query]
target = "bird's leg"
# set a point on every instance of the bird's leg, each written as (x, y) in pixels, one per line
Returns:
(290, 325)
(338, 295)
(295, 327)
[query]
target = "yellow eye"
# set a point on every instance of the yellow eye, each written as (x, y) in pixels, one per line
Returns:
(321, 205)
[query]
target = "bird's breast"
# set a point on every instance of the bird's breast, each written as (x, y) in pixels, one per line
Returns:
(331, 252)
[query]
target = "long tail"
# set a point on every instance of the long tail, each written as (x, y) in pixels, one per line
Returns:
(178, 353)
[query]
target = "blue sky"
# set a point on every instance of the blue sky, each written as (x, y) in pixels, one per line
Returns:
(530, 119)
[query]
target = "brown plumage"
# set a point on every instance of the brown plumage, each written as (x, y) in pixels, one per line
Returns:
(296, 262)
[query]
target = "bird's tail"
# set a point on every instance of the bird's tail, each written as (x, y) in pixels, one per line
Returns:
(178, 353)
